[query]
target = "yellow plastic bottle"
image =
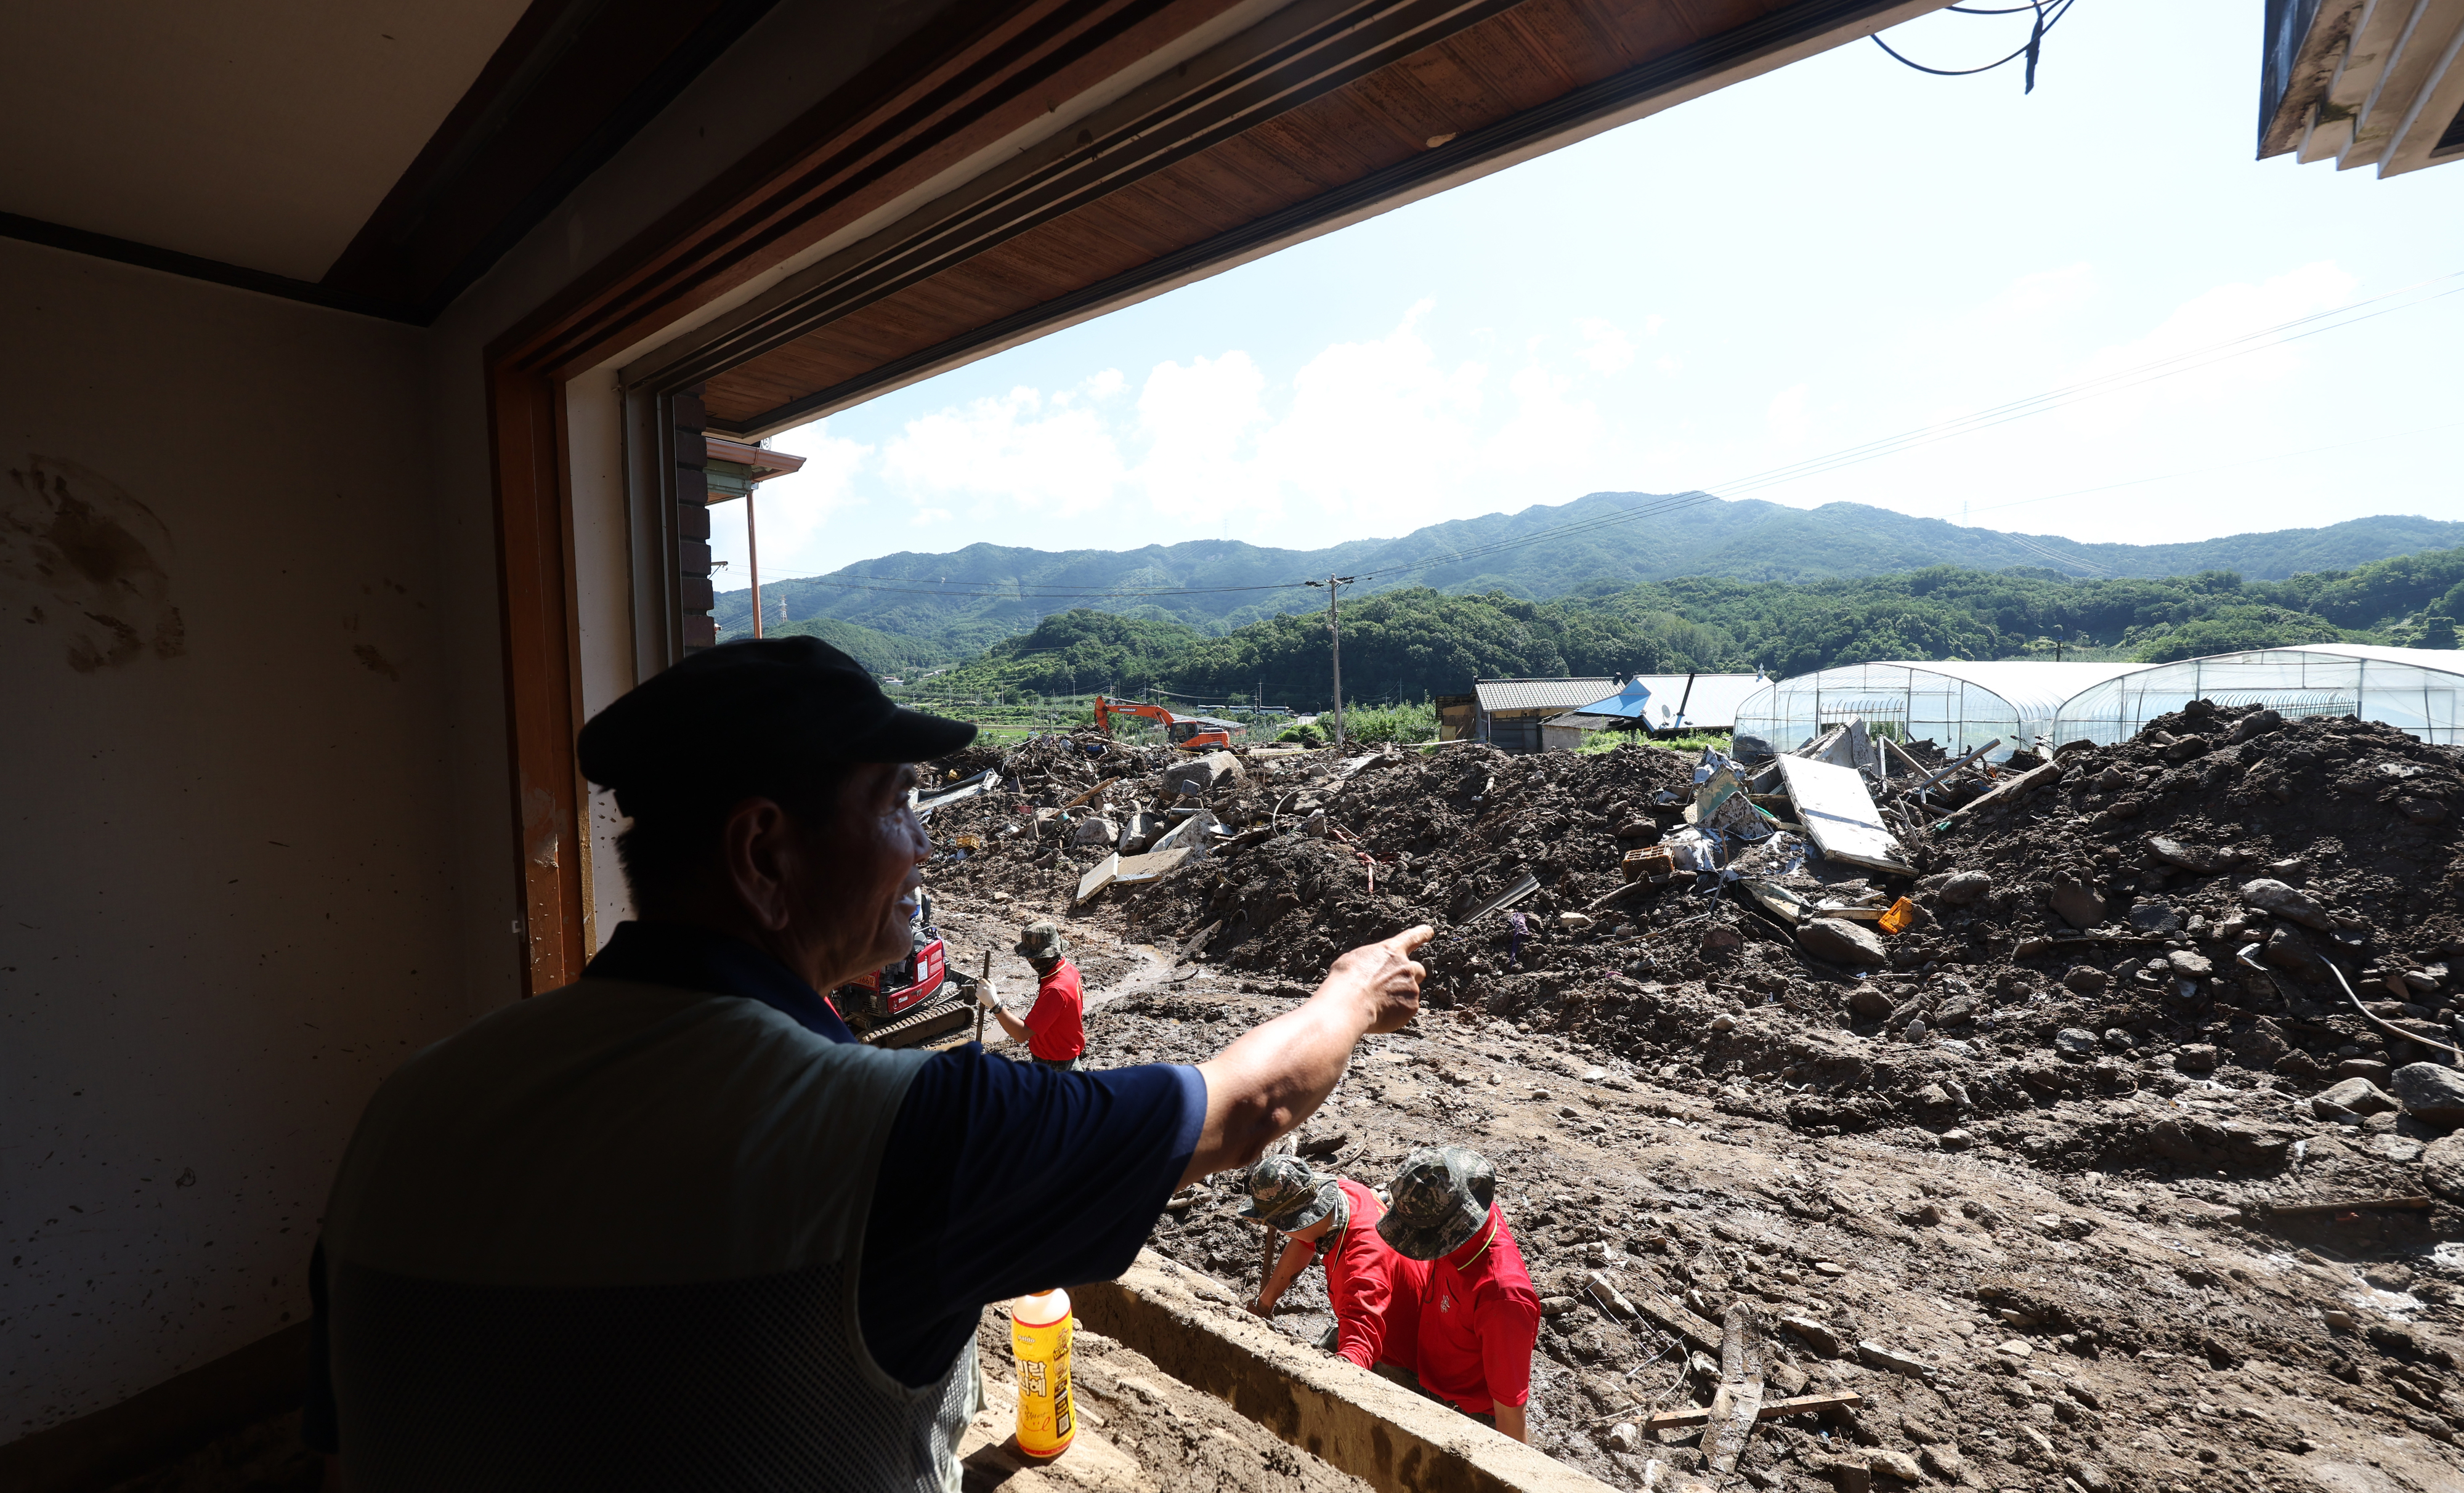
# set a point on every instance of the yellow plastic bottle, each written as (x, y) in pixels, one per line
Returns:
(1039, 1329)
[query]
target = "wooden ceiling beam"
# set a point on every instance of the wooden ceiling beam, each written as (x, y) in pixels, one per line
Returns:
(1287, 146)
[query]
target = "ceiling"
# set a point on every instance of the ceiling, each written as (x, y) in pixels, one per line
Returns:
(375, 155)
(379, 155)
(260, 133)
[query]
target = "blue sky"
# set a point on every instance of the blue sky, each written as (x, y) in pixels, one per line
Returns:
(1836, 252)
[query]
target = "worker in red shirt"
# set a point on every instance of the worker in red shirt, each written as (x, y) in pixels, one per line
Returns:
(1479, 1314)
(1055, 1028)
(1375, 1292)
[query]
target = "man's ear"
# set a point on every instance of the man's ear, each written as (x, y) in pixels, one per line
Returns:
(759, 848)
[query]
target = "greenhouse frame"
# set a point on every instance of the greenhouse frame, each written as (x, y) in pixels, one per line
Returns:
(2414, 689)
(1957, 705)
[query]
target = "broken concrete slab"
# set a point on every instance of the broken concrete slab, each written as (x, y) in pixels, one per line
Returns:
(1839, 817)
(1842, 941)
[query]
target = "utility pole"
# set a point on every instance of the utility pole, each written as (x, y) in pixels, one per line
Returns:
(1334, 633)
(752, 561)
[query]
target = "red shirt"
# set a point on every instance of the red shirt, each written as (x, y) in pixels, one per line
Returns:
(1366, 1282)
(1056, 1028)
(1479, 1318)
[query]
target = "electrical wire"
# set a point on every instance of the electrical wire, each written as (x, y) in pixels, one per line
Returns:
(2294, 330)
(2036, 42)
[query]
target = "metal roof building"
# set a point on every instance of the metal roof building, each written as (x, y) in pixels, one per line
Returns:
(1664, 702)
(1955, 704)
(2414, 689)
(1507, 713)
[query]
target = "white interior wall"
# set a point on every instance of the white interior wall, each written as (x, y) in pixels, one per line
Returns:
(226, 904)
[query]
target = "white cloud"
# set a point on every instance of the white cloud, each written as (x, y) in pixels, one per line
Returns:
(1376, 427)
(1008, 451)
(1605, 348)
(1787, 419)
(1195, 421)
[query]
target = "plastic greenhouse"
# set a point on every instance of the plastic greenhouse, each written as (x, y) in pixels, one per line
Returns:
(1956, 705)
(2413, 688)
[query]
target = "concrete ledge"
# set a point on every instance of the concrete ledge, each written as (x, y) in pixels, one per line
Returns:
(1385, 1435)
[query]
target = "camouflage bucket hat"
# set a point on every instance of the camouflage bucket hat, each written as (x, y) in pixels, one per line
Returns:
(1285, 1195)
(1040, 939)
(1442, 1196)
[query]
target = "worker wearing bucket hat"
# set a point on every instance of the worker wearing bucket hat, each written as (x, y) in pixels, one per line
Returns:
(1479, 1313)
(1373, 1292)
(1055, 1028)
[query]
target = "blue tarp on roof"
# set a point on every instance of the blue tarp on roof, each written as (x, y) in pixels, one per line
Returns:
(1627, 703)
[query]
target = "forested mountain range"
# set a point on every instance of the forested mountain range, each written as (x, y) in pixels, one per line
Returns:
(1596, 545)
(1409, 641)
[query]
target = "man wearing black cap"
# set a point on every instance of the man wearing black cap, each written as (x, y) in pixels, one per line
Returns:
(671, 1227)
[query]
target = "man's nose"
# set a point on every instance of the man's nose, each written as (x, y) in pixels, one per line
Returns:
(916, 836)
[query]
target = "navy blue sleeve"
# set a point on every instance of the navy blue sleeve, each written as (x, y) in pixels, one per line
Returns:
(1001, 1178)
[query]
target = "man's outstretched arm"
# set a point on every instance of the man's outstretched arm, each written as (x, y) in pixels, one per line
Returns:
(1277, 1075)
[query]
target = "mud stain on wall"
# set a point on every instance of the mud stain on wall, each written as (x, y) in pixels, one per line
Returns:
(376, 662)
(80, 555)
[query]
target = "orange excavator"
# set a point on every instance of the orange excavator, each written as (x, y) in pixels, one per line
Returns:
(1189, 733)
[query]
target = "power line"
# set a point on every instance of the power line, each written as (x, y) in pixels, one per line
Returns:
(2030, 49)
(2136, 376)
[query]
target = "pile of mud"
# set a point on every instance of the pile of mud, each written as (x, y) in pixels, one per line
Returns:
(2136, 964)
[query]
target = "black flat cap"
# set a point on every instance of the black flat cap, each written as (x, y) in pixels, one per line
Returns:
(737, 718)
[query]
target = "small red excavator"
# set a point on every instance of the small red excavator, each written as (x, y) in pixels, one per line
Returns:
(915, 1001)
(1189, 733)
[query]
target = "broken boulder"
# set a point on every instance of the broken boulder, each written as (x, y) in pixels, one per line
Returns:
(2430, 1093)
(2359, 1095)
(1841, 942)
(2261, 1047)
(2275, 897)
(2190, 964)
(2258, 723)
(2156, 918)
(1965, 889)
(2079, 904)
(2442, 1167)
(2077, 1044)
(1095, 829)
(1202, 774)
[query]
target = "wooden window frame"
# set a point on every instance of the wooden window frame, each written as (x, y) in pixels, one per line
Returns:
(967, 80)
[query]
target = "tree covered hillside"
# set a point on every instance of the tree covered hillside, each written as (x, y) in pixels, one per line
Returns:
(1412, 642)
(969, 599)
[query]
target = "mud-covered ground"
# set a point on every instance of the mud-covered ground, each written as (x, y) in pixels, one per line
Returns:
(2116, 1330)
(2049, 1140)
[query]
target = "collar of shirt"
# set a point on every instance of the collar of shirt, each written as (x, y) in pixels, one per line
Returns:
(696, 959)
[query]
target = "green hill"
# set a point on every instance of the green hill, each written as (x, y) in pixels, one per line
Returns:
(1543, 554)
(882, 652)
(1410, 642)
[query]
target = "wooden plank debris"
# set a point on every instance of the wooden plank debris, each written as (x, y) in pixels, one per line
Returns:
(2418, 1202)
(1839, 817)
(2010, 790)
(1739, 1402)
(1770, 1410)
(1683, 1324)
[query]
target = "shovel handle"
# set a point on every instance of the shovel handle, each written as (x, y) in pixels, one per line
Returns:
(988, 974)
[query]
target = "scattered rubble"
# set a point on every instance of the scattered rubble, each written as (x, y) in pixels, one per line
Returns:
(2102, 1094)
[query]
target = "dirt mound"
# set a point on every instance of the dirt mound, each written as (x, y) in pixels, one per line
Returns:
(2080, 986)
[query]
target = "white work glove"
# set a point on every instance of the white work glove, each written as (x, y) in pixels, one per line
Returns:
(989, 995)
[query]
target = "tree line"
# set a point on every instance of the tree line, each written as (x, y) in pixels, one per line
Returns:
(1412, 643)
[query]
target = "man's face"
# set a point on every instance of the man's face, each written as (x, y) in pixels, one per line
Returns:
(858, 899)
